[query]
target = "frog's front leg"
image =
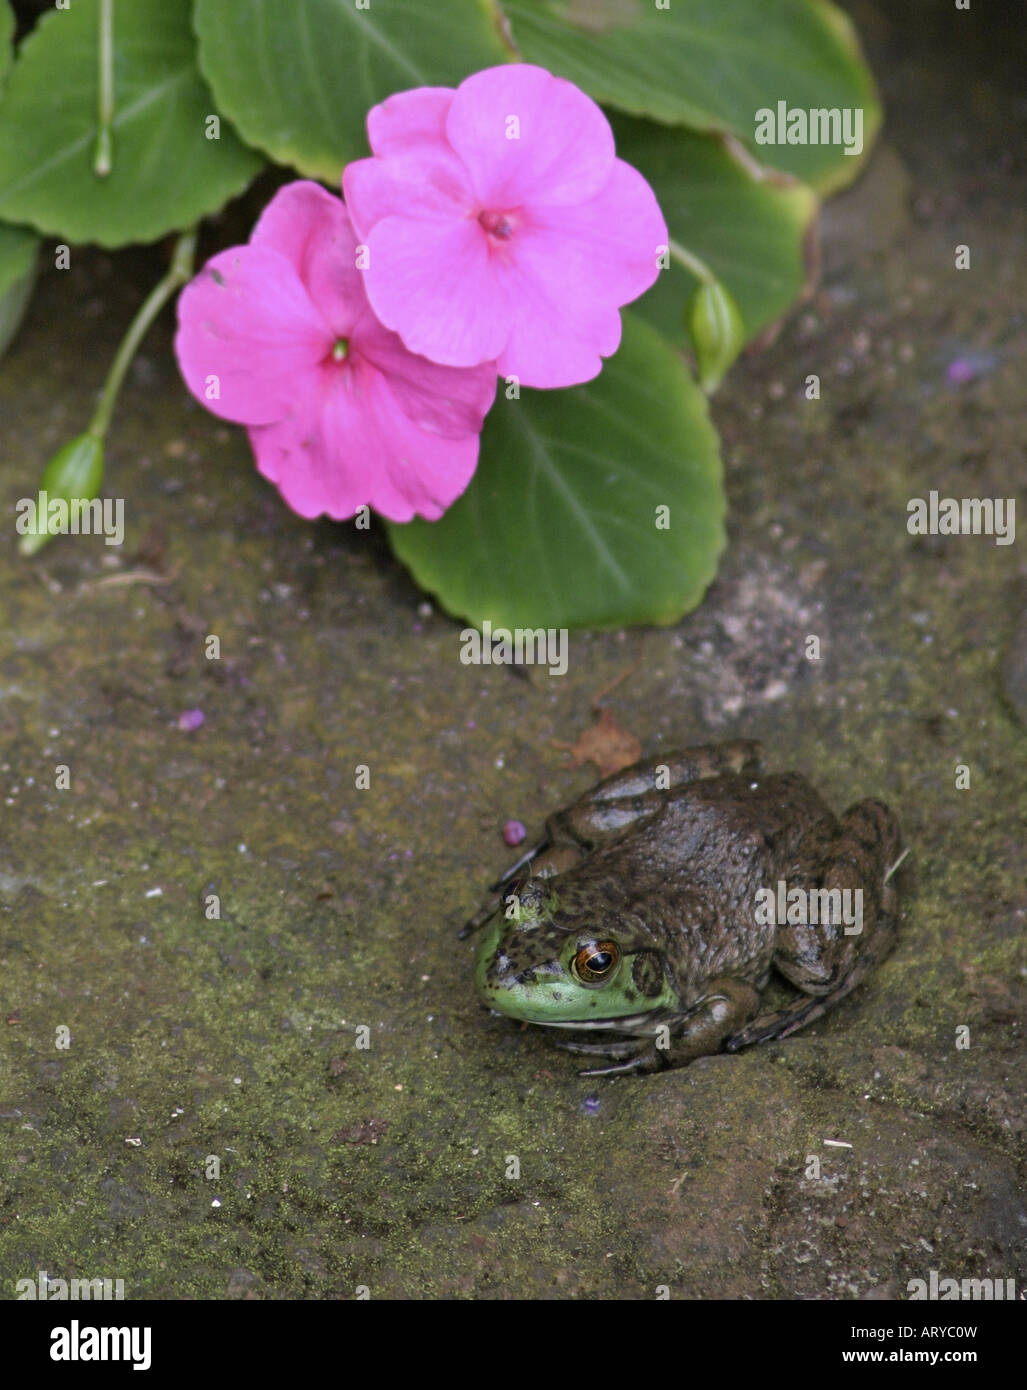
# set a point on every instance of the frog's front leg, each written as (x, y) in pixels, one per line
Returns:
(726, 1005)
(554, 859)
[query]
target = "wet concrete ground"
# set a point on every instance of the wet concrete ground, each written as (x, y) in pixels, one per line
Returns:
(213, 1130)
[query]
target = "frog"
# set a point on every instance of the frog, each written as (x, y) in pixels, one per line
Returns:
(648, 919)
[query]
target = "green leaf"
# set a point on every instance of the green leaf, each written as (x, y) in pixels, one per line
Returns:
(750, 227)
(711, 65)
(166, 174)
(18, 252)
(6, 38)
(299, 79)
(558, 527)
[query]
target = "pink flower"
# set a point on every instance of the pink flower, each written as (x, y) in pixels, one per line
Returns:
(500, 225)
(278, 336)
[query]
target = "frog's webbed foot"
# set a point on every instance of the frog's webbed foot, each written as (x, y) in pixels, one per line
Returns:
(700, 1030)
(630, 1055)
(779, 1025)
(642, 1061)
(626, 1048)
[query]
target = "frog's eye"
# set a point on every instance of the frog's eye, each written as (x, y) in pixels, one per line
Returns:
(596, 962)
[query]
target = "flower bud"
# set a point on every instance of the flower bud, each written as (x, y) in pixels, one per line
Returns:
(714, 321)
(72, 476)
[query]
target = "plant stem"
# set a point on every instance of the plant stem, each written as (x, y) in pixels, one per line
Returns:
(103, 152)
(692, 263)
(180, 271)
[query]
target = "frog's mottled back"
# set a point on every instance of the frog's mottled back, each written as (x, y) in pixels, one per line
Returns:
(641, 914)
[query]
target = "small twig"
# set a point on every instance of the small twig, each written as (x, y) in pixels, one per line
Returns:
(610, 685)
(140, 576)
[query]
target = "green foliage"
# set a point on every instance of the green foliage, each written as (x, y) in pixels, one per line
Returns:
(559, 527)
(299, 79)
(166, 173)
(710, 65)
(19, 250)
(750, 228)
(6, 38)
(562, 524)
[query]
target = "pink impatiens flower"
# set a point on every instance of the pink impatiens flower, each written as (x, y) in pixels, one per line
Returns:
(278, 336)
(500, 226)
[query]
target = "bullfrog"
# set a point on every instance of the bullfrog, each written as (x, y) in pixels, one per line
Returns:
(650, 916)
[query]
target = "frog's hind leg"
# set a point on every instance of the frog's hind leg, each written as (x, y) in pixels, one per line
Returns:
(665, 771)
(627, 798)
(617, 804)
(869, 833)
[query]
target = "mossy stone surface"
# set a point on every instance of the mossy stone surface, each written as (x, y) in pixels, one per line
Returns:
(236, 1040)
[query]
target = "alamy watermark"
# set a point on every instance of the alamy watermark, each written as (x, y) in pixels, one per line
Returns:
(77, 516)
(963, 516)
(78, 1343)
(794, 907)
(538, 646)
(54, 1290)
(821, 125)
(946, 1290)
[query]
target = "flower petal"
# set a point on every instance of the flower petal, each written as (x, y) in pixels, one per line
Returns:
(559, 334)
(418, 472)
(421, 176)
(607, 249)
(449, 401)
(290, 218)
(347, 444)
(409, 118)
(434, 285)
(311, 228)
(559, 152)
(569, 271)
(426, 184)
(318, 470)
(247, 329)
(290, 454)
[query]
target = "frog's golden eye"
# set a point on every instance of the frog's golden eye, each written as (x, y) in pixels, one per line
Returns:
(596, 961)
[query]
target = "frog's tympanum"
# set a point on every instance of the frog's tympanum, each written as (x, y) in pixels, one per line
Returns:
(653, 912)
